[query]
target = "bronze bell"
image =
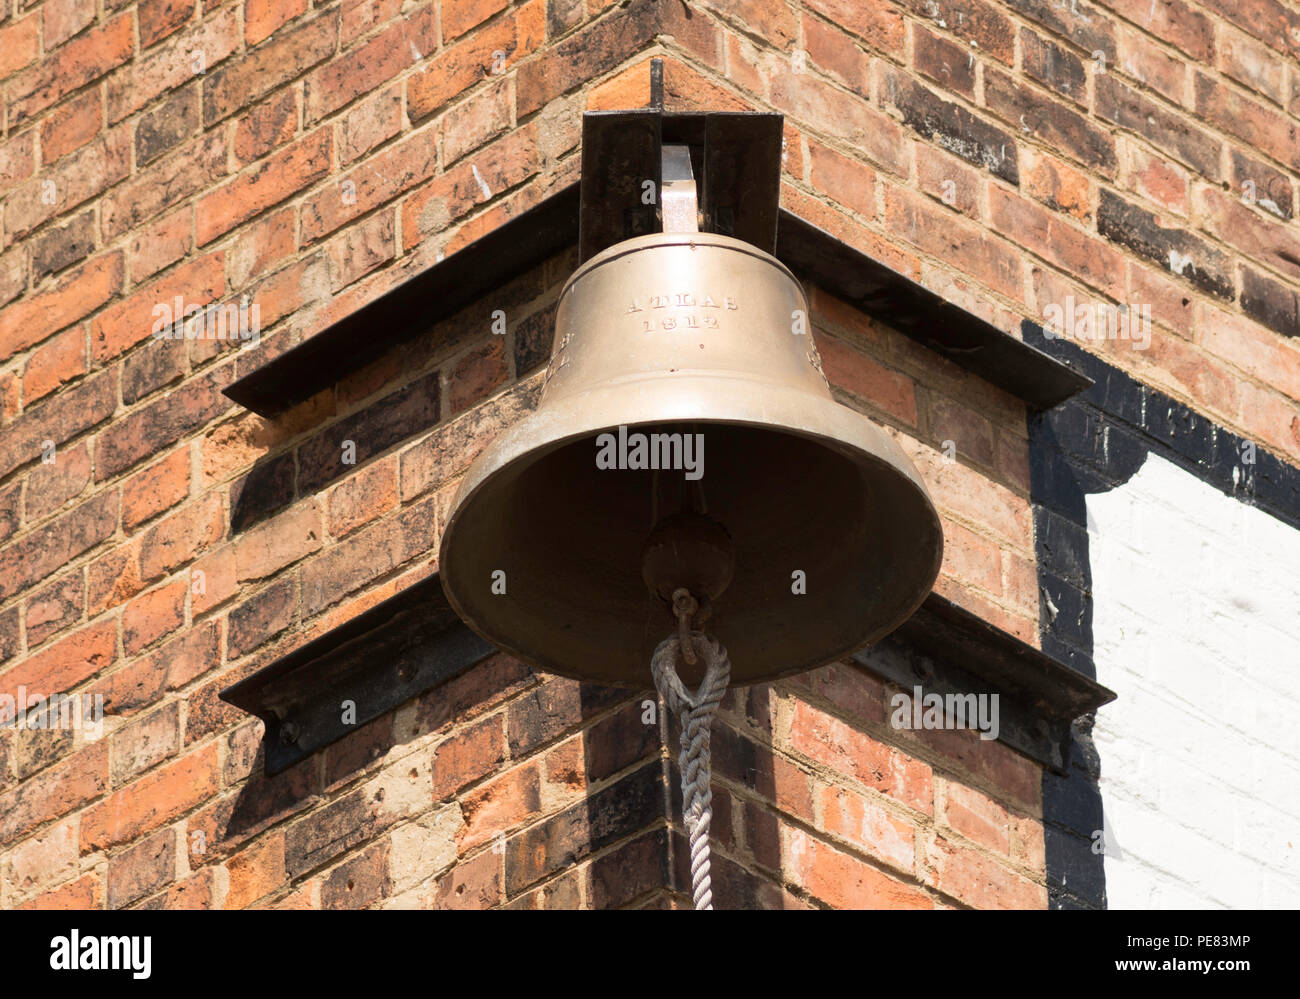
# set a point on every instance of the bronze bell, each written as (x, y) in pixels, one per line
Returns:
(687, 437)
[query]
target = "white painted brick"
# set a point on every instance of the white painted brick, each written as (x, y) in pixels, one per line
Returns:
(1197, 628)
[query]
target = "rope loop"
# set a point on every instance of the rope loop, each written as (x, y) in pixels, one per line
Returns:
(695, 709)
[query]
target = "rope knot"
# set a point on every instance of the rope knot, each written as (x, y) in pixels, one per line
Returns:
(696, 709)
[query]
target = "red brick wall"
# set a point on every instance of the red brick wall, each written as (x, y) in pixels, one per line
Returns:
(311, 157)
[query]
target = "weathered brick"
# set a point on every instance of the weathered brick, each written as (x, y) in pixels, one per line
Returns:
(1083, 255)
(261, 245)
(54, 793)
(1079, 22)
(846, 368)
(979, 880)
(1173, 22)
(1118, 103)
(35, 317)
(952, 127)
(563, 840)
(59, 361)
(43, 860)
(1249, 233)
(374, 120)
(914, 219)
(71, 125)
(1176, 250)
(818, 105)
(879, 24)
(371, 64)
(1054, 66)
(1157, 179)
(842, 881)
(982, 26)
(372, 431)
(262, 18)
(180, 537)
(142, 869)
(500, 166)
(835, 743)
(947, 63)
(260, 70)
(61, 19)
(588, 53)
(157, 488)
(204, 46)
(275, 543)
(20, 44)
(65, 664)
(151, 615)
(1151, 64)
(1265, 185)
(1049, 121)
(268, 125)
(282, 175)
(551, 709)
(1056, 184)
(55, 607)
(473, 122)
(379, 179)
(84, 893)
(144, 743)
(57, 248)
(1250, 63)
(198, 891)
(364, 496)
(359, 815)
(40, 553)
(170, 181)
(1259, 126)
(837, 55)
(149, 430)
(167, 125)
(151, 801)
(171, 666)
(126, 323)
(471, 884)
(75, 64)
(160, 18)
(476, 375)
(359, 882)
(1270, 301)
(261, 617)
(368, 554)
(255, 872)
(869, 827)
(357, 251)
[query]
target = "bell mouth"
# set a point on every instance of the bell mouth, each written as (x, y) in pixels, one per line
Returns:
(836, 540)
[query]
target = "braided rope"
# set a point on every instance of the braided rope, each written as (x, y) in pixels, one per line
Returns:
(696, 711)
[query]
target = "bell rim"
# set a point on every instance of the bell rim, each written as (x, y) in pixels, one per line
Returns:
(517, 443)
